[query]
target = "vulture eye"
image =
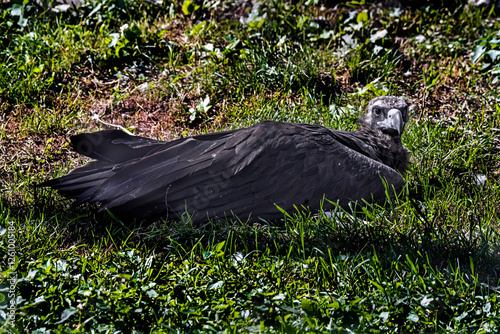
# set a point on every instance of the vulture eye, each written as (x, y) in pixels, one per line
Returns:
(377, 111)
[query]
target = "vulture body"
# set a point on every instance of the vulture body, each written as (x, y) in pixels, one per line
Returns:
(245, 172)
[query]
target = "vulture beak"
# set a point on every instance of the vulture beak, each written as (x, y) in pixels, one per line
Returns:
(393, 122)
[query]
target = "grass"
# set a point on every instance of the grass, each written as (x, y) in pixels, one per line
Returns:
(427, 262)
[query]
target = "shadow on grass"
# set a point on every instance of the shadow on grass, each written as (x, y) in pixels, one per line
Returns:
(86, 256)
(405, 228)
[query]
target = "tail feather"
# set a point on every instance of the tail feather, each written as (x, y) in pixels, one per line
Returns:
(78, 181)
(113, 145)
(112, 149)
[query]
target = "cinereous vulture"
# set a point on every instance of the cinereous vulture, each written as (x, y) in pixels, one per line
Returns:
(246, 172)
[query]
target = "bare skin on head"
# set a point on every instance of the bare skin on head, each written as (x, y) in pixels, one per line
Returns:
(387, 113)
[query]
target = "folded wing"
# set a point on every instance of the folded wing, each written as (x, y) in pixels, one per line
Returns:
(245, 172)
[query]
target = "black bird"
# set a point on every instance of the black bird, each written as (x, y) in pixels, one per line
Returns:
(245, 172)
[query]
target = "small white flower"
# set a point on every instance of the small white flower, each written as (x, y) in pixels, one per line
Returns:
(123, 28)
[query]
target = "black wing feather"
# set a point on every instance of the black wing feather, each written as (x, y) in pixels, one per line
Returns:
(246, 172)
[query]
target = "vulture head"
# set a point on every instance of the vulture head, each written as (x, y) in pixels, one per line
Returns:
(387, 113)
